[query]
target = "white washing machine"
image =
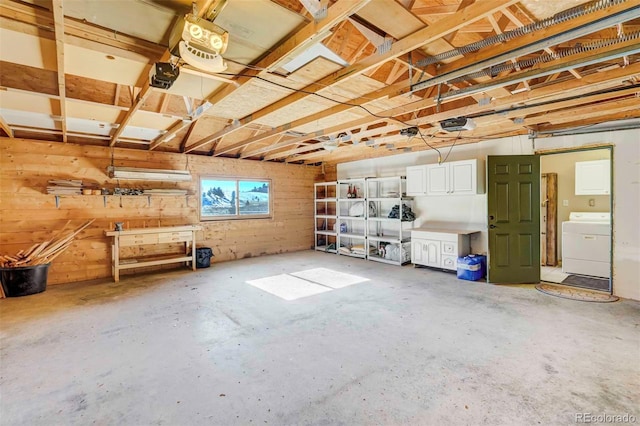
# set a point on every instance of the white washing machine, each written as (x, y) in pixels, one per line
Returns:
(586, 244)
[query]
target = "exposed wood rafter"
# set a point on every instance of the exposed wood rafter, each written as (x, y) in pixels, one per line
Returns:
(5, 126)
(58, 22)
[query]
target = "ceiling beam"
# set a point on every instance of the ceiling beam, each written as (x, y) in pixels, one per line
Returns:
(310, 34)
(58, 22)
(5, 126)
(186, 137)
(169, 134)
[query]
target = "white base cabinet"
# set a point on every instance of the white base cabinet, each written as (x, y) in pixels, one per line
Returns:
(439, 248)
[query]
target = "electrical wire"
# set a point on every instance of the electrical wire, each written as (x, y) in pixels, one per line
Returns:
(450, 149)
(429, 145)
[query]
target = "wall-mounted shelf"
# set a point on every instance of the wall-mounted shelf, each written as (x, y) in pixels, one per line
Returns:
(105, 197)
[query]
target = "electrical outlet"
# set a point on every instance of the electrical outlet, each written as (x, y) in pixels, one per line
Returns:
(565, 203)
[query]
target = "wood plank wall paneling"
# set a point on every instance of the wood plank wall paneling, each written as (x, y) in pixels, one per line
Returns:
(29, 215)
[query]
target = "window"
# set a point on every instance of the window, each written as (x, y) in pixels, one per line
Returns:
(225, 198)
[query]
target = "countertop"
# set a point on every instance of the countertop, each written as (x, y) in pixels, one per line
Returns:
(443, 230)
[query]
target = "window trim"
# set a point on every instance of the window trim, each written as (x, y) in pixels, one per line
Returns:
(237, 216)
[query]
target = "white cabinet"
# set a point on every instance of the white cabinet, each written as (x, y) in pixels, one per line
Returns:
(455, 178)
(439, 248)
(593, 177)
(438, 179)
(326, 215)
(425, 252)
(417, 180)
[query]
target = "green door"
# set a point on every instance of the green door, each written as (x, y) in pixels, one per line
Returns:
(513, 201)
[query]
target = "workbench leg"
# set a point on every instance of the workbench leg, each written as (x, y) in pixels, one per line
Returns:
(193, 251)
(116, 259)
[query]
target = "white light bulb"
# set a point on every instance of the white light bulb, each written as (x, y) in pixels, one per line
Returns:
(195, 31)
(216, 42)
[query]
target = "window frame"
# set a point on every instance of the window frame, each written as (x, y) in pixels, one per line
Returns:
(237, 215)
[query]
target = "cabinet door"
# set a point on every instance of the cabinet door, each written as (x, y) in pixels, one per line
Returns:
(431, 253)
(416, 180)
(463, 177)
(417, 252)
(593, 177)
(437, 179)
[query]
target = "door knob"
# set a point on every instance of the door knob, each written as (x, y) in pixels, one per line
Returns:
(492, 226)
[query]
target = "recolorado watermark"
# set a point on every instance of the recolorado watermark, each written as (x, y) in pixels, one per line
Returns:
(604, 418)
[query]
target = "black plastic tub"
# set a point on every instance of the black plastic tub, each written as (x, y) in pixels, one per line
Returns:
(24, 281)
(203, 257)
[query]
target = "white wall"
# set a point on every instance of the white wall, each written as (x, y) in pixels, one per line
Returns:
(470, 211)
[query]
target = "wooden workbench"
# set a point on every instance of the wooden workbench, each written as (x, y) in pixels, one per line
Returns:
(137, 237)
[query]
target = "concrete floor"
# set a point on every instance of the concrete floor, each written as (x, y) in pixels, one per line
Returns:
(411, 346)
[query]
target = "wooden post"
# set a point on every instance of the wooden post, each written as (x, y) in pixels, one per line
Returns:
(552, 219)
(543, 220)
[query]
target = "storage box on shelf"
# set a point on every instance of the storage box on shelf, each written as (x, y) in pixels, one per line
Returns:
(352, 216)
(389, 220)
(326, 200)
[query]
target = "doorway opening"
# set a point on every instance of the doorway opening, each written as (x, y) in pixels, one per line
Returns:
(576, 208)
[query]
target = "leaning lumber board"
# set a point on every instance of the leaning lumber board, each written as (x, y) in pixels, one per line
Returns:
(65, 239)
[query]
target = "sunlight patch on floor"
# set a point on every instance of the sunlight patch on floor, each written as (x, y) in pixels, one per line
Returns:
(305, 283)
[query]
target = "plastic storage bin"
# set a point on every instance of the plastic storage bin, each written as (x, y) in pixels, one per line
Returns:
(472, 267)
